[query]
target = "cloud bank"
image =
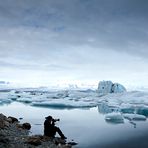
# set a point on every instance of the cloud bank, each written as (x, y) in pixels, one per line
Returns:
(74, 40)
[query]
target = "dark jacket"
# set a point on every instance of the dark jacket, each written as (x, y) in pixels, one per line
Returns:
(49, 129)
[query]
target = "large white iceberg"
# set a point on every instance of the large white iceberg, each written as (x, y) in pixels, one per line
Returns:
(106, 87)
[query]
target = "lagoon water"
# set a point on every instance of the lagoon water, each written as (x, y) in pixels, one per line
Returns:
(85, 126)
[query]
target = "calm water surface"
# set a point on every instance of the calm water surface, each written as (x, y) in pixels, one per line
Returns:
(85, 126)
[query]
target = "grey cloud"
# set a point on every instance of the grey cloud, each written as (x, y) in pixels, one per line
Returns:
(31, 66)
(71, 34)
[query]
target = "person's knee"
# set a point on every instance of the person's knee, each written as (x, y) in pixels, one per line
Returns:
(57, 128)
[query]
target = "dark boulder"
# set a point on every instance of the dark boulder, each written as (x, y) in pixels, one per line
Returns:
(12, 119)
(26, 126)
(3, 121)
(3, 139)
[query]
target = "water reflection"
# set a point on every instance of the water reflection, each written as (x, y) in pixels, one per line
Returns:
(133, 123)
(76, 122)
(105, 108)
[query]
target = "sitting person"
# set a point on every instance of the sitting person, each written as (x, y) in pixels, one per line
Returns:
(50, 129)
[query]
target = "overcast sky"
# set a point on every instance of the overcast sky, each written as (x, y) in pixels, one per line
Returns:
(74, 41)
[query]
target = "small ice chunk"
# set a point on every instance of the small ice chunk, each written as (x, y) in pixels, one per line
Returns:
(135, 117)
(114, 117)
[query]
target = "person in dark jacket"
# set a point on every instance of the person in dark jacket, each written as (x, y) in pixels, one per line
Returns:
(50, 129)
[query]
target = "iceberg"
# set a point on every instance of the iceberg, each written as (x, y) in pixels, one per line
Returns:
(114, 118)
(118, 88)
(106, 87)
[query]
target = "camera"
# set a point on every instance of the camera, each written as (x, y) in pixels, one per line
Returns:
(55, 120)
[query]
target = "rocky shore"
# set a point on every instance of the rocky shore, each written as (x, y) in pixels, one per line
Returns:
(16, 135)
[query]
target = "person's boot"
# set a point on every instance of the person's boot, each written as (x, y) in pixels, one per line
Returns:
(63, 137)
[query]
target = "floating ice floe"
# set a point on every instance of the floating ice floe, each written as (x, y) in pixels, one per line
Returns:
(64, 104)
(114, 118)
(127, 99)
(58, 99)
(137, 105)
(135, 117)
(141, 109)
(128, 108)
